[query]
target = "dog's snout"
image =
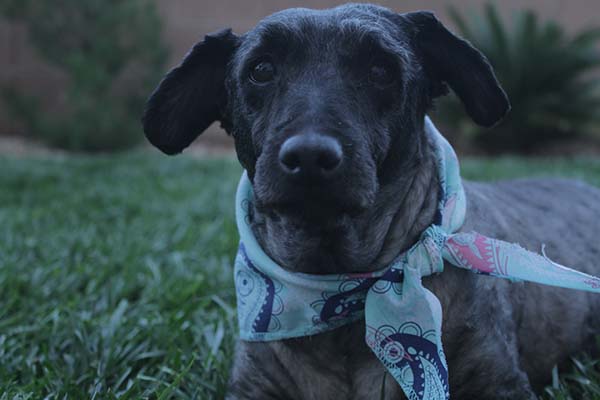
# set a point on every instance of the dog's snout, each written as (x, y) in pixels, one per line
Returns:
(311, 154)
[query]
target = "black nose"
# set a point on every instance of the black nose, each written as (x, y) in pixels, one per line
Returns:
(310, 154)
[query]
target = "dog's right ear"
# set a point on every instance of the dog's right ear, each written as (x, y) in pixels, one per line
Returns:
(191, 96)
(465, 69)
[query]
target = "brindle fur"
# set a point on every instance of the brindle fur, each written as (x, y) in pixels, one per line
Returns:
(501, 339)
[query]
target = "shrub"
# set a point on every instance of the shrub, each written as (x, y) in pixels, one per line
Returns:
(546, 74)
(112, 54)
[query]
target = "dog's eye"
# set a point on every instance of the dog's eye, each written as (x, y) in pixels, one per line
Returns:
(262, 72)
(381, 73)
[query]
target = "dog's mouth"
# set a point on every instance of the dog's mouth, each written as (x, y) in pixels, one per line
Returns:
(313, 206)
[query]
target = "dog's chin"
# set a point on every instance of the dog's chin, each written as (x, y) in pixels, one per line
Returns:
(309, 230)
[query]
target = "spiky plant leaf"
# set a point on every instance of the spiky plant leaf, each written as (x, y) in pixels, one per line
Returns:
(549, 76)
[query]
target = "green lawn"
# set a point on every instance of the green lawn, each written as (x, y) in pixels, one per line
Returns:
(115, 275)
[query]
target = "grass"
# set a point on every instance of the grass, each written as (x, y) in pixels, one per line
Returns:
(115, 275)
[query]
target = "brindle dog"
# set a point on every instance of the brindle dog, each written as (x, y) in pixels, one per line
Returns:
(326, 109)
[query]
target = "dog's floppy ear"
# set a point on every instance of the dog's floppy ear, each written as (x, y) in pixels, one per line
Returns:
(191, 96)
(465, 69)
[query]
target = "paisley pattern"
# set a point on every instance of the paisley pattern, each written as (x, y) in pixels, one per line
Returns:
(592, 282)
(349, 299)
(350, 296)
(474, 251)
(481, 254)
(403, 318)
(252, 285)
(391, 280)
(412, 359)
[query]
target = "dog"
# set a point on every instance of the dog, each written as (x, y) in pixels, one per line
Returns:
(327, 108)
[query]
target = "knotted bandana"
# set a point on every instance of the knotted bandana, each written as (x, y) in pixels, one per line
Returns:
(403, 318)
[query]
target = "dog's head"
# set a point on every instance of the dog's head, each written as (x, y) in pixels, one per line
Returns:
(325, 106)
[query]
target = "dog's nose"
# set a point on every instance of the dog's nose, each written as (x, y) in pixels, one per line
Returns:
(310, 154)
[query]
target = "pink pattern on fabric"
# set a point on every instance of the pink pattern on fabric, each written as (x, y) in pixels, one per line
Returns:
(594, 283)
(477, 252)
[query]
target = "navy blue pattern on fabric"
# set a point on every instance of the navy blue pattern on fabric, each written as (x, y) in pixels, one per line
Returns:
(261, 323)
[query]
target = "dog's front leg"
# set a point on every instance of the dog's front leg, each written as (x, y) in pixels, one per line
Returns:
(504, 382)
(318, 367)
(258, 373)
(480, 338)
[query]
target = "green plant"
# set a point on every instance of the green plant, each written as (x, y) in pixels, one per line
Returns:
(111, 53)
(545, 72)
(582, 383)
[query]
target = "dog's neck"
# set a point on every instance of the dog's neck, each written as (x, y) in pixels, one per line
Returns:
(404, 207)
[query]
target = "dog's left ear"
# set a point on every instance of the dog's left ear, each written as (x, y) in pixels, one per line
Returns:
(191, 96)
(465, 69)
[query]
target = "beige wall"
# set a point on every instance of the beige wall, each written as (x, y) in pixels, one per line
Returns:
(188, 20)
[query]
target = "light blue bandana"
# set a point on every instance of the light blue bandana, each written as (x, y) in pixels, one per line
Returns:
(403, 318)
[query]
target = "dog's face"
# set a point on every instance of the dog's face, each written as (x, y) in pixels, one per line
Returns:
(325, 107)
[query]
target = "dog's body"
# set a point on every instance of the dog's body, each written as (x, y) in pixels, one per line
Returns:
(501, 339)
(327, 110)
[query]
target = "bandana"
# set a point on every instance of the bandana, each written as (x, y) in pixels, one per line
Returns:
(403, 319)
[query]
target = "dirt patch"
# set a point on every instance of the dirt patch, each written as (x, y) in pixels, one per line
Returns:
(213, 143)
(19, 146)
(577, 147)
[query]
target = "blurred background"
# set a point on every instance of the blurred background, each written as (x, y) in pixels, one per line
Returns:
(74, 74)
(116, 260)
